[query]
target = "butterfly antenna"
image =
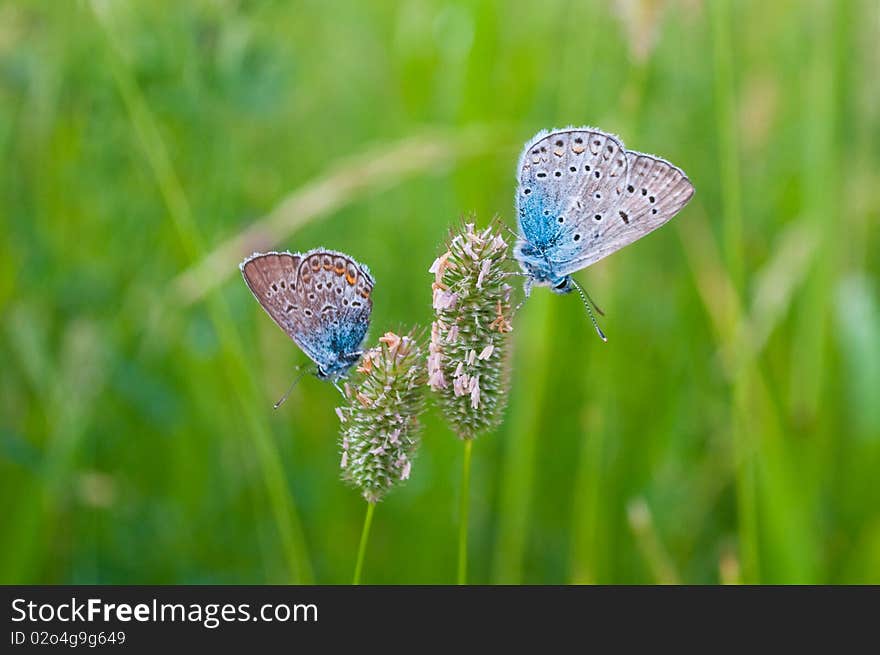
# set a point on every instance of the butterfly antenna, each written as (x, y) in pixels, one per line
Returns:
(587, 302)
(595, 306)
(292, 385)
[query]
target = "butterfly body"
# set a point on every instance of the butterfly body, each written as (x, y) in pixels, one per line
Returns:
(581, 196)
(321, 299)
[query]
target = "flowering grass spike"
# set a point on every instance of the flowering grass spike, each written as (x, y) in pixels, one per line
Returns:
(466, 360)
(379, 431)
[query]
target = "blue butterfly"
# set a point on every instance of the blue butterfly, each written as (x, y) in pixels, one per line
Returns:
(582, 196)
(321, 299)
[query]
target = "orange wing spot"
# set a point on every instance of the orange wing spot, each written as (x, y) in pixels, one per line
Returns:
(365, 293)
(305, 276)
(328, 263)
(351, 279)
(315, 263)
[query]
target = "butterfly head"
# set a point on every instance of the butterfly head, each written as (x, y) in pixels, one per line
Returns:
(539, 271)
(336, 369)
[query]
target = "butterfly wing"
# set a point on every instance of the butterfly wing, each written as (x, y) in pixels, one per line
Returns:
(655, 191)
(335, 294)
(321, 299)
(565, 176)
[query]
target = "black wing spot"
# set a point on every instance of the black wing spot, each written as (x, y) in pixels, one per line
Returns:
(283, 284)
(312, 296)
(559, 143)
(650, 198)
(274, 287)
(610, 149)
(630, 188)
(587, 168)
(596, 143)
(644, 192)
(357, 303)
(598, 217)
(577, 237)
(598, 196)
(654, 211)
(345, 301)
(546, 212)
(535, 151)
(543, 149)
(572, 169)
(557, 174)
(541, 175)
(624, 216)
(597, 174)
(288, 309)
(561, 219)
(307, 312)
(527, 191)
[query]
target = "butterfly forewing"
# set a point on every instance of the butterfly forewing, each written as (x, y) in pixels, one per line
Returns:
(655, 191)
(271, 277)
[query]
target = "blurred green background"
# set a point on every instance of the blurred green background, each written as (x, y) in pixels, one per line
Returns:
(728, 432)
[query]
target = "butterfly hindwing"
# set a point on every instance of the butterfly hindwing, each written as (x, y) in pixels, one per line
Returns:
(335, 293)
(564, 176)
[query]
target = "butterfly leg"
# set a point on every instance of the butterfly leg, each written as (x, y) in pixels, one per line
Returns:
(527, 289)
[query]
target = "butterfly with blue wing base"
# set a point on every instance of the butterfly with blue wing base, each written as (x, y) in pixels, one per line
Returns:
(582, 196)
(321, 299)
